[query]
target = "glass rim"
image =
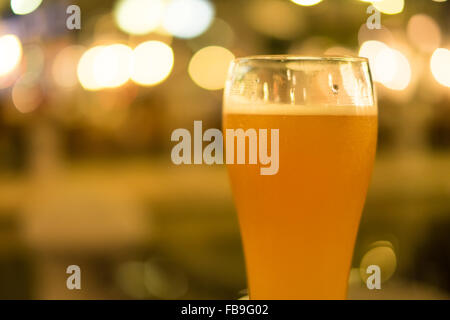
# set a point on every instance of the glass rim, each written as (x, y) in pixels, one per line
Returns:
(299, 58)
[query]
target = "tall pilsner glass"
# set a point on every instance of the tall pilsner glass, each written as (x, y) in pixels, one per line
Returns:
(299, 225)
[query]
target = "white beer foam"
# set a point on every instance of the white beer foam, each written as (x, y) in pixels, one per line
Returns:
(237, 106)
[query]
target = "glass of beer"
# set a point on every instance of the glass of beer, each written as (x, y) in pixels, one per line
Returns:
(299, 223)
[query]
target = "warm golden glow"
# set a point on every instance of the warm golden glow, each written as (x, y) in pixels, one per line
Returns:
(286, 24)
(384, 34)
(440, 66)
(389, 66)
(424, 32)
(389, 6)
(370, 49)
(188, 18)
(306, 2)
(383, 256)
(26, 94)
(11, 53)
(219, 33)
(209, 66)
(112, 66)
(21, 7)
(138, 16)
(85, 70)
(64, 67)
(385, 65)
(338, 51)
(152, 63)
(402, 75)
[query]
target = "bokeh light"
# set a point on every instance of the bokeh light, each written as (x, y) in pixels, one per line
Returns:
(112, 65)
(440, 66)
(188, 18)
(85, 70)
(21, 7)
(138, 16)
(105, 67)
(402, 76)
(64, 66)
(11, 53)
(382, 255)
(370, 49)
(385, 65)
(389, 6)
(424, 32)
(209, 66)
(152, 63)
(306, 2)
(389, 66)
(26, 94)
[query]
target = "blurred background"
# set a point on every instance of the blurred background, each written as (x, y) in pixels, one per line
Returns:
(86, 117)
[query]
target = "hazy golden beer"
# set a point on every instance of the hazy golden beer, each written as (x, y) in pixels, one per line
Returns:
(299, 226)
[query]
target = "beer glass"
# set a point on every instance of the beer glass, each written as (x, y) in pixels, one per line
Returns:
(299, 225)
